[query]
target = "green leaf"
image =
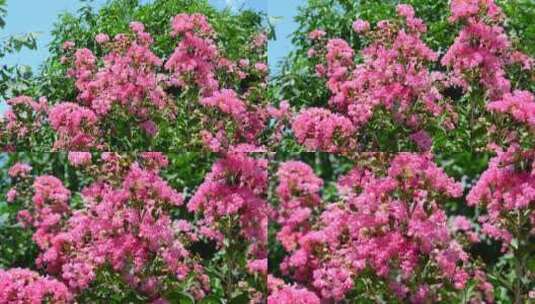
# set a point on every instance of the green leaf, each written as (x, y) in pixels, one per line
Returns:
(240, 299)
(180, 298)
(211, 300)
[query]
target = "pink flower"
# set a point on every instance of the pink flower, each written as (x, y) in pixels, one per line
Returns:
(67, 45)
(79, 159)
(234, 189)
(226, 101)
(137, 26)
(11, 195)
(519, 104)
(194, 23)
(319, 129)
(378, 218)
(150, 128)
(19, 285)
(258, 266)
(423, 140)
(316, 34)
(405, 10)
(75, 125)
(361, 26)
(102, 38)
(504, 189)
(19, 170)
(261, 67)
(292, 294)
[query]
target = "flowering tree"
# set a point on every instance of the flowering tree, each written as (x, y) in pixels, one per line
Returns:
(185, 89)
(383, 87)
(391, 160)
(387, 238)
(127, 232)
(396, 78)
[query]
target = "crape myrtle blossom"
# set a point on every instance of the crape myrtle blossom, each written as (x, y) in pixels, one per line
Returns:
(19, 170)
(129, 82)
(507, 191)
(519, 104)
(25, 286)
(319, 129)
(361, 26)
(393, 75)
(246, 121)
(76, 126)
(23, 118)
(281, 293)
(231, 197)
(481, 54)
(124, 223)
(20, 175)
(298, 193)
(79, 159)
(386, 224)
(129, 77)
(196, 55)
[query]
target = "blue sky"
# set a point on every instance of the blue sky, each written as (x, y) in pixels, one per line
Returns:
(39, 15)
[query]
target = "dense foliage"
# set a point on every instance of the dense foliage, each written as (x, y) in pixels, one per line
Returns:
(170, 75)
(424, 99)
(121, 231)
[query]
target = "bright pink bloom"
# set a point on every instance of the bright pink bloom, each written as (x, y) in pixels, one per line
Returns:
(102, 38)
(361, 26)
(319, 129)
(519, 104)
(19, 285)
(19, 170)
(79, 159)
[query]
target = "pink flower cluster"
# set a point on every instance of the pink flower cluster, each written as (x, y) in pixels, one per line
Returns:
(320, 129)
(76, 126)
(468, 9)
(196, 55)
(125, 223)
(281, 293)
(388, 225)
(508, 194)
(79, 159)
(19, 170)
(195, 62)
(22, 119)
(129, 77)
(131, 83)
(234, 192)
(20, 286)
(394, 76)
(247, 122)
(298, 193)
(481, 53)
(519, 104)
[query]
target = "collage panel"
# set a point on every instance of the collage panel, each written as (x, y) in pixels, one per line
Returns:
(414, 75)
(402, 228)
(122, 75)
(133, 228)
